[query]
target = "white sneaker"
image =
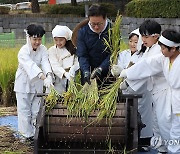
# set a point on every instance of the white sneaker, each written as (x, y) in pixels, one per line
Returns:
(27, 140)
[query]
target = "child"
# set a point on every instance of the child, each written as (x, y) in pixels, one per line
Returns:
(157, 85)
(168, 63)
(133, 55)
(29, 80)
(62, 57)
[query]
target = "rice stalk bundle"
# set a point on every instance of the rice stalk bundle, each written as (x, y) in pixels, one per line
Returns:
(114, 40)
(90, 97)
(107, 107)
(109, 94)
(81, 103)
(108, 101)
(69, 98)
(52, 99)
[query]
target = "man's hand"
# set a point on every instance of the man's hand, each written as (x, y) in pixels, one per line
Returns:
(116, 70)
(96, 73)
(87, 77)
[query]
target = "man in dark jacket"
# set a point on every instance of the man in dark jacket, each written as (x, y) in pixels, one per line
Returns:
(91, 50)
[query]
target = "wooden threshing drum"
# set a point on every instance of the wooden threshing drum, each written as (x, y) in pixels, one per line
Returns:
(60, 128)
(58, 133)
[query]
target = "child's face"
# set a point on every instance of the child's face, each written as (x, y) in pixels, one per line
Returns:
(166, 52)
(60, 41)
(149, 40)
(133, 43)
(35, 42)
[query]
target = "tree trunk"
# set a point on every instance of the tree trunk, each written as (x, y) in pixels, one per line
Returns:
(35, 6)
(73, 2)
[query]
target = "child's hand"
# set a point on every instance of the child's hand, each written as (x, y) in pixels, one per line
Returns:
(67, 75)
(116, 70)
(123, 74)
(124, 85)
(72, 72)
(48, 81)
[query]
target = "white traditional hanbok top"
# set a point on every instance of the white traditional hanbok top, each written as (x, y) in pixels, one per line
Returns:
(61, 61)
(155, 83)
(144, 103)
(156, 65)
(31, 63)
(125, 57)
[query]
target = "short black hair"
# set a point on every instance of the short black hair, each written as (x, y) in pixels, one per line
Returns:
(35, 30)
(97, 10)
(149, 27)
(171, 35)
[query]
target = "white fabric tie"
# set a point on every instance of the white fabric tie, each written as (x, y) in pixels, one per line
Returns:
(167, 42)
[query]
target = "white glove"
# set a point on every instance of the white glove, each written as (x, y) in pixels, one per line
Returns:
(123, 74)
(72, 72)
(48, 81)
(67, 75)
(123, 85)
(116, 70)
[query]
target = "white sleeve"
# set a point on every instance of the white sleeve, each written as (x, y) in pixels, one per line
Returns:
(28, 64)
(136, 84)
(58, 70)
(76, 64)
(145, 68)
(122, 59)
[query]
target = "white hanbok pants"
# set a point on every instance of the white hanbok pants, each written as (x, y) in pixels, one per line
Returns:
(27, 109)
(161, 117)
(174, 143)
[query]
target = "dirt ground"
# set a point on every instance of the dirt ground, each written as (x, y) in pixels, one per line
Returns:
(5, 111)
(9, 144)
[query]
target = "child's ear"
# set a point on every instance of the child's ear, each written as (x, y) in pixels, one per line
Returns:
(173, 49)
(156, 36)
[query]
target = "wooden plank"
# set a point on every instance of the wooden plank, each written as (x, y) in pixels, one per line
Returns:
(81, 130)
(64, 121)
(91, 138)
(104, 130)
(119, 106)
(64, 112)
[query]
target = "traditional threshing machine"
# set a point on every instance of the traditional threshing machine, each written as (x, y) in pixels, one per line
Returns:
(57, 133)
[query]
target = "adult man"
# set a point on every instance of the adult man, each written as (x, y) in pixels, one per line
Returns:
(91, 50)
